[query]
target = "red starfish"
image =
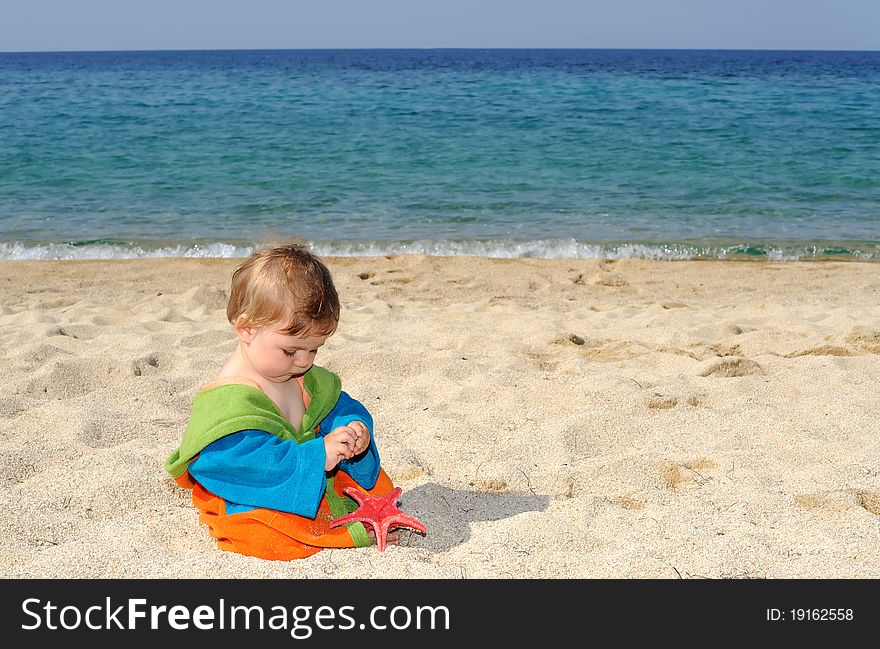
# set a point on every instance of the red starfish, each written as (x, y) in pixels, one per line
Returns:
(379, 513)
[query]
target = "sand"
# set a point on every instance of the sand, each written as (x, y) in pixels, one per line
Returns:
(545, 418)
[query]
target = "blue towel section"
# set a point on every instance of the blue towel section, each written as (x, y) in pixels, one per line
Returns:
(253, 468)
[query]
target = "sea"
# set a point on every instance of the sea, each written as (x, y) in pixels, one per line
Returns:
(652, 154)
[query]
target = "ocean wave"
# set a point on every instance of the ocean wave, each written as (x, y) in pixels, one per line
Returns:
(496, 248)
(573, 249)
(56, 251)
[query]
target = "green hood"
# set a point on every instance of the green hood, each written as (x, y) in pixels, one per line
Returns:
(227, 409)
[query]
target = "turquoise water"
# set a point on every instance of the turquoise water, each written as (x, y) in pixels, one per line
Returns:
(543, 153)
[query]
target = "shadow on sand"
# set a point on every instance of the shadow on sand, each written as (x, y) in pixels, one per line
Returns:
(448, 513)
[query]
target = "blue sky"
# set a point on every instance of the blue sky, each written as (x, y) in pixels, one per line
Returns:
(33, 25)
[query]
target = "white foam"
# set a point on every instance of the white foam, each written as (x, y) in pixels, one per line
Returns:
(54, 251)
(503, 248)
(497, 248)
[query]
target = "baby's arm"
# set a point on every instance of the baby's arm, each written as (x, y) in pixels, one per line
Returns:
(256, 468)
(351, 413)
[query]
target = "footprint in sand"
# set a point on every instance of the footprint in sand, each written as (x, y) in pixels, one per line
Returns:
(627, 502)
(573, 339)
(411, 472)
(204, 297)
(864, 339)
(722, 349)
(612, 281)
(142, 365)
(11, 407)
(63, 380)
(40, 356)
(870, 500)
(408, 465)
(80, 332)
(392, 280)
(822, 350)
(208, 338)
(60, 331)
(661, 402)
(543, 362)
(56, 303)
(677, 475)
(840, 500)
(106, 433)
(731, 367)
(491, 486)
(388, 280)
(18, 466)
(604, 278)
(173, 315)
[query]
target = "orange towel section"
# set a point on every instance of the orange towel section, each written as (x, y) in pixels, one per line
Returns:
(270, 534)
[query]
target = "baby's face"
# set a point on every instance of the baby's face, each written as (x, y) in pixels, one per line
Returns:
(278, 356)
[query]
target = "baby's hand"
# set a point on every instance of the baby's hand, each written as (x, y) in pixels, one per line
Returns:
(362, 436)
(339, 445)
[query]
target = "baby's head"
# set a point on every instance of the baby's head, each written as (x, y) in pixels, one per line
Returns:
(283, 306)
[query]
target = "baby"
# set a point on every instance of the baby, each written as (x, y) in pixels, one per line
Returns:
(272, 442)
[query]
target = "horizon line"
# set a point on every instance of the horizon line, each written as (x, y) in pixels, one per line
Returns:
(317, 49)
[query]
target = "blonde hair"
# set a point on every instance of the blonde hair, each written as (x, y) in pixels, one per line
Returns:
(284, 283)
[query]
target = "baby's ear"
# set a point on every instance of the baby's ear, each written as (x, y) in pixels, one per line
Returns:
(244, 330)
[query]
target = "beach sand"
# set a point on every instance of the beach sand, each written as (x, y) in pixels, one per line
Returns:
(545, 418)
